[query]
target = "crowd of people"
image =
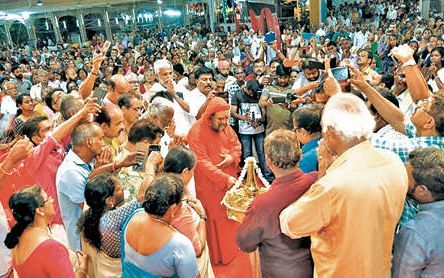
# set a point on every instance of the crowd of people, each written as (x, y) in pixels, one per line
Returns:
(115, 157)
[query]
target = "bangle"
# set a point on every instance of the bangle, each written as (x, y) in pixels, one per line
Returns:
(203, 217)
(95, 73)
(6, 172)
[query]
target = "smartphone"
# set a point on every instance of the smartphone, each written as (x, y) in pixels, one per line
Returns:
(99, 95)
(279, 99)
(341, 73)
(141, 160)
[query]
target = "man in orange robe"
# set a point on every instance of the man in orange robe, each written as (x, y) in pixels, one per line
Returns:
(218, 153)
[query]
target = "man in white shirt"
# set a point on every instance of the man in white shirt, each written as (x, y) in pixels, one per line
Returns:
(164, 72)
(360, 38)
(37, 90)
(202, 94)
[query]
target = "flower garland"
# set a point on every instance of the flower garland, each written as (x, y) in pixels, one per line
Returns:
(257, 170)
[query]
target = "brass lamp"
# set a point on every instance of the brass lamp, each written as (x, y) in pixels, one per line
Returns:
(239, 197)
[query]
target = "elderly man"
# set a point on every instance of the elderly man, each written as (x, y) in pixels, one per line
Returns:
(218, 153)
(280, 256)
(358, 202)
(72, 176)
(164, 72)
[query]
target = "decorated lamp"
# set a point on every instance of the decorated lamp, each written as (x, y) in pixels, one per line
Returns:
(239, 197)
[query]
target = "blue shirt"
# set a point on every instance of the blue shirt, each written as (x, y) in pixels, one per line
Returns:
(309, 161)
(71, 180)
(419, 247)
(402, 148)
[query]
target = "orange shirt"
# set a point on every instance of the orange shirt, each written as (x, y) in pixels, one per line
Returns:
(351, 213)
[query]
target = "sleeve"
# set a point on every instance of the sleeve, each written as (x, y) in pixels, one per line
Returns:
(235, 145)
(186, 262)
(265, 93)
(205, 167)
(409, 254)
(57, 262)
(307, 215)
(114, 219)
(72, 185)
(185, 223)
(251, 230)
(17, 127)
(40, 154)
(410, 130)
(234, 99)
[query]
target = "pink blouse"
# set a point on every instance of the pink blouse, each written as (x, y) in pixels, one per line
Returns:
(49, 259)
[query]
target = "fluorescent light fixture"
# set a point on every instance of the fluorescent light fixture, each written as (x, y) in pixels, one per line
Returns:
(39, 2)
(159, 2)
(77, 22)
(117, 20)
(47, 25)
(99, 22)
(64, 24)
(172, 13)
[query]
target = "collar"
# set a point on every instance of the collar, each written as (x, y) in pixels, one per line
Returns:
(311, 144)
(438, 205)
(77, 160)
(349, 154)
(287, 179)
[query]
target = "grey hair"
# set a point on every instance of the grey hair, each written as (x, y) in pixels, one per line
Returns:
(159, 106)
(162, 64)
(83, 132)
(349, 116)
(8, 82)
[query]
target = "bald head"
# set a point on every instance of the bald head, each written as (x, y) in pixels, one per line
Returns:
(118, 85)
(111, 120)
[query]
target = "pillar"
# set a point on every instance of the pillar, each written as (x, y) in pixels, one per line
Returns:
(107, 26)
(56, 27)
(425, 8)
(186, 19)
(79, 18)
(32, 36)
(212, 13)
(160, 22)
(318, 12)
(8, 34)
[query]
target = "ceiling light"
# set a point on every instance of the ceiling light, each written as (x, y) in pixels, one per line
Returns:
(39, 2)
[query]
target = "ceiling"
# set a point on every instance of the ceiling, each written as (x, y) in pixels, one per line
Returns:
(20, 6)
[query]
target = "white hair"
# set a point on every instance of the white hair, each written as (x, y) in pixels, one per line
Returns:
(159, 105)
(348, 115)
(161, 64)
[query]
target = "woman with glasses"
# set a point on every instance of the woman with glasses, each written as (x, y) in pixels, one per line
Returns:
(34, 252)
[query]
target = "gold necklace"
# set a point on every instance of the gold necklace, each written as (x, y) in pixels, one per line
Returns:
(47, 231)
(162, 221)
